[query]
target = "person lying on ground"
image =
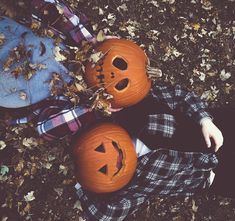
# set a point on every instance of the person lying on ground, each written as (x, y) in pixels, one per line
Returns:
(166, 172)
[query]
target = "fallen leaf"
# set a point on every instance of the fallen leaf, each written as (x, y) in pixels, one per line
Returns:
(19, 166)
(47, 165)
(60, 9)
(63, 169)
(94, 58)
(67, 182)
(2, 145)
(122, 7)
(79, 87)
(224, 75)
(19, 181)
(59, 191)
(30, 142)
(58, 55)
(29, 196)
(194, 207)
(4, 218)
(2, 38)
(4, 170)
(37, 66)
(196, 26)
(100, 36)
(77, 205)
(35, 25)
(23, 95)
(8, 9)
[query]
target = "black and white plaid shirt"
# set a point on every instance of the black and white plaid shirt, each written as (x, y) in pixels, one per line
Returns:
(164, 116)
(177, 99)
(162, 171)
(159, 172)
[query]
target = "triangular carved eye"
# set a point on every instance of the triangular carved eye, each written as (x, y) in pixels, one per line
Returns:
(120, 64)
(104, 169)
(100, 148)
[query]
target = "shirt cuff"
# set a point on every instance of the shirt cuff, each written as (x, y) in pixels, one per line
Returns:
(79, 190)
(77, 186)
(202, 115)
(205, 118)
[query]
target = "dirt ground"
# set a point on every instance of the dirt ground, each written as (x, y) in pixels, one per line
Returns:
(190, 42)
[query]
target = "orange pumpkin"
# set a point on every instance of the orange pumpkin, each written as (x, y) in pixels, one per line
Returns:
(122, 72)
(105, 158)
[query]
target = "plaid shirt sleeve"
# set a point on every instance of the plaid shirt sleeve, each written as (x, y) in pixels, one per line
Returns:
(62, 20)
(159, 172)
(55, 123)
(58, 118)
(58, 101)
(180, 99)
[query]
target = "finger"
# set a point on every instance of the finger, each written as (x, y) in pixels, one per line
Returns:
(217, 146)
(111, 37)
(115, 109)
(218, 142)
(207, 140)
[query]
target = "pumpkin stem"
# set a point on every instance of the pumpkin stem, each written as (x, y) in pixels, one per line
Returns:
(153, 72)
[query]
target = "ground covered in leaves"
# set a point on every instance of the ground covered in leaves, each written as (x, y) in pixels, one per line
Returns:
(190, 42)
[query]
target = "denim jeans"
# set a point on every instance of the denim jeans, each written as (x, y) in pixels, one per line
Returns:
(15, 90)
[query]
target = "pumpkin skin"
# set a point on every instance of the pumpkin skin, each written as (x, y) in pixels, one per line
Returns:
(122, 72)
(105, 158)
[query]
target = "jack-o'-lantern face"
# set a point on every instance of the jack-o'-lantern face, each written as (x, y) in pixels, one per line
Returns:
(122, 72)
(105, 158)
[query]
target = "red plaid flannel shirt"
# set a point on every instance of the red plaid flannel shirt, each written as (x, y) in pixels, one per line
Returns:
(62, 20)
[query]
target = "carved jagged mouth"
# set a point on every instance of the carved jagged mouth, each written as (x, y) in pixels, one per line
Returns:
(119, 164)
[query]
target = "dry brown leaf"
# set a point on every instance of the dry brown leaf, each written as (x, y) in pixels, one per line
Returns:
(58, 55)
(55, 84)
(29, 196)
(2, 38)
(7, 64)
(23, 95)
(96, 57)
(196, 26)
(35, 25)
(2, 145)
(19, 167)
(79, 87)
(8, 10)
(100, 36)
(67, 182)
(19, 181)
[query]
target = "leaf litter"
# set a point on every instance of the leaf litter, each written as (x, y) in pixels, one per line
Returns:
(186, 42)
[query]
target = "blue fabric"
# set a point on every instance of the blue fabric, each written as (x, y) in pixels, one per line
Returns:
(40, 51)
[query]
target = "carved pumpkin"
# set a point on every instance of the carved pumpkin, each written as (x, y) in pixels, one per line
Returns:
(105, 158)
(122, 72)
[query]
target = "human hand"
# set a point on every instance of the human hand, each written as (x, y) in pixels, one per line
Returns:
(111, 109)
(210, 130)
(111, 37)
